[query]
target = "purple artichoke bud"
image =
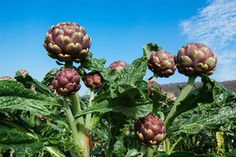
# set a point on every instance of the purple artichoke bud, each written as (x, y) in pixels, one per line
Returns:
(171, 96)
(150, 130)
(6, 78)
(93, 80)
(162, 63)
(22, 73)
(66, 82)
(118, 65)
(195, 59)
(150, 87)
(67, 41)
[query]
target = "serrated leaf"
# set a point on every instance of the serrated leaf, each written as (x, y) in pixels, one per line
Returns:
(133, 73)
(208, 112)
(14, 96)
(28, 81)
(148, 48)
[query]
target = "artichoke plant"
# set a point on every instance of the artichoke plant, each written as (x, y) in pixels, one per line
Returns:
(150, 130)
(118, 65)
(195, 59)
(93, 80)
(6, 78)
(67, 41)
(66, 82)
(161, 63)
(151, 85)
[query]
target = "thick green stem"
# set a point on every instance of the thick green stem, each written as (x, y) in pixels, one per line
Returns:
(68, 64)
(173, 146)
(185, 91)
(72, 124)
(83, 132)
(88, 116)
(166, 145)
(150, 152)
(76, 106)
(154, 77)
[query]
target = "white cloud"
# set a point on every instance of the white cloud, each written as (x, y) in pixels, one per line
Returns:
(215, 26)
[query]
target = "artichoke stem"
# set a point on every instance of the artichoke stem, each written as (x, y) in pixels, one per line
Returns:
(88, 116)
(150, 152)
(185, 91)
(68, 64)
(76, 106)
(154, 77)
(174, 145)
(73, 126)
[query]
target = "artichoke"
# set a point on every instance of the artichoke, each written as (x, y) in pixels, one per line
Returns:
(66, 82)
(152, 85)
(162, 63)
(171, 96)
(195, 59)
(67, 41)
(22, 73)
(93, 80)
(5, 78)
(118, 65)
(150, 130)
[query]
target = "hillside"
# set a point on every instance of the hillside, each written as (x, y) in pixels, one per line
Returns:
(175, 87)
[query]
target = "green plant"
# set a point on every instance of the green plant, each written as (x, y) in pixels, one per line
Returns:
(50, 118)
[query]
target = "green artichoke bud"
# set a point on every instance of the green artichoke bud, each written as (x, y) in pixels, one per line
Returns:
(150, 130)
(93, 80)
(162, 63)
(5, 78)
(118, 65)
(66, 82)
(195, 59)
(151, 85)
(67, 41)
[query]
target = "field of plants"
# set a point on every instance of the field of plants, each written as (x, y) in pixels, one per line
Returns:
(124, 115)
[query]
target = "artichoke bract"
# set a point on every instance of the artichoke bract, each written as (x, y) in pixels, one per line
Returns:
(195, 59)
(150, 130)
(151, 85)
(162, 63)
(93, 80)
(67, 41)
(118, 65)
(66, 82)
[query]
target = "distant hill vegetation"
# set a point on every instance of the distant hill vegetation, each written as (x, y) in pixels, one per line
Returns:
(176, 87)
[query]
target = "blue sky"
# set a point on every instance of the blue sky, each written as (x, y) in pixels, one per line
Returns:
(119, 29)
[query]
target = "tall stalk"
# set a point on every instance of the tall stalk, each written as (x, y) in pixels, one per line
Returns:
(73, 126)
(185, 91)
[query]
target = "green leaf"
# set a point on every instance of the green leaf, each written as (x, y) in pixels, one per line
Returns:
(49, 76)
(133, 73)
(13, 134)
(148, 48)
(126, 99)
(30, 82)
(134, 153)
(130, 111)
(208, 107)
(94, 64)
(14, 96)
(54, 152)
